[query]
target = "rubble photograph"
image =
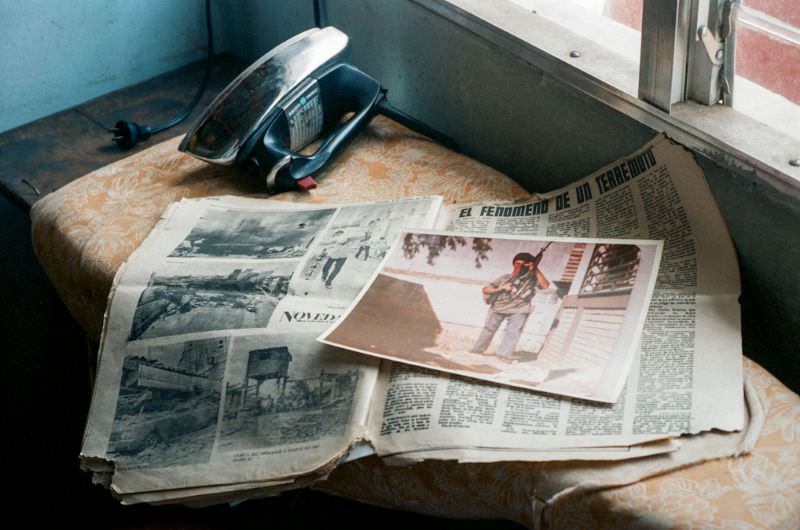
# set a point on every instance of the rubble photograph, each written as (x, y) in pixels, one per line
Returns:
(210, 296)
(168, 404)
(278, 392)
(226, 233)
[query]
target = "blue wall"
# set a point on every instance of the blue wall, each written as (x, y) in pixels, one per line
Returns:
(250, 28)
(57, 53)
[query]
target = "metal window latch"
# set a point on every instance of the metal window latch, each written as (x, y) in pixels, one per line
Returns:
(711, 67)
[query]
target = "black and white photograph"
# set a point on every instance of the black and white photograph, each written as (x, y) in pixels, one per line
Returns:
(208, 296)
(562, 316)
(279, 391)
(225, 233)
(354, 244)
(168, 404)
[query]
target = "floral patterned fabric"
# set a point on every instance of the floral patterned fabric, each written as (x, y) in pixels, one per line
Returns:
(758, 490)
(83, 233)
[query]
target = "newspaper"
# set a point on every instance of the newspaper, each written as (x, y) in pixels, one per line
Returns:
(459, 304)
(211, 384)
(485, 455)
(687, 374)
(209, 374)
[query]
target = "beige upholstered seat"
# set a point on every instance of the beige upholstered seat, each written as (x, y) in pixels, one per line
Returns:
(83, 233)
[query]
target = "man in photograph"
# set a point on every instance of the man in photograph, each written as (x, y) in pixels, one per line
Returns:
(337, 253)
(363, 247)
(509, 298)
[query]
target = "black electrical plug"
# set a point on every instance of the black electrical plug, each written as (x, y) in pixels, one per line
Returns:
(129, 133)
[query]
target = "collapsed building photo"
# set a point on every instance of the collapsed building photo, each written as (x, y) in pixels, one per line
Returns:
(168, 404)
(271, 407)
(185, 303)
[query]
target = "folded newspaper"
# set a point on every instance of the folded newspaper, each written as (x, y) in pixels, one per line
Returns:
(212, 385)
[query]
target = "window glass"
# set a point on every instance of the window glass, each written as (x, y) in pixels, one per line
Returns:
(767, 83)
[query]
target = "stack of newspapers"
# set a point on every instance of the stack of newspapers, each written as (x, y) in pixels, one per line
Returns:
(251, 346)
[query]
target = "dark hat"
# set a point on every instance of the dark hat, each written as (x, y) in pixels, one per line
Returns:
(524, 256)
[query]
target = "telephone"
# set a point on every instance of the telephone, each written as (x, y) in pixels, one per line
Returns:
(297, 93)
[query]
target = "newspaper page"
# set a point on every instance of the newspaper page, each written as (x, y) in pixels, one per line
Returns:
(488, 454)
(209, 372)
(686, 375)
(440, 298)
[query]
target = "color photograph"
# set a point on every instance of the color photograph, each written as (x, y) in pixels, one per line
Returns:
(561, 316)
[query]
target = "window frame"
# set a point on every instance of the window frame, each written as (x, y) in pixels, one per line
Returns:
(718, 131)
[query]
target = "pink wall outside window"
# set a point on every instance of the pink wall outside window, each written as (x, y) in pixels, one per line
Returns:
(765, 60)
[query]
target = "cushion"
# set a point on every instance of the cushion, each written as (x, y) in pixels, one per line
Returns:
(83, 232)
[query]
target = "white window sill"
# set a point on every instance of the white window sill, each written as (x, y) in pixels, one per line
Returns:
(723, 134)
